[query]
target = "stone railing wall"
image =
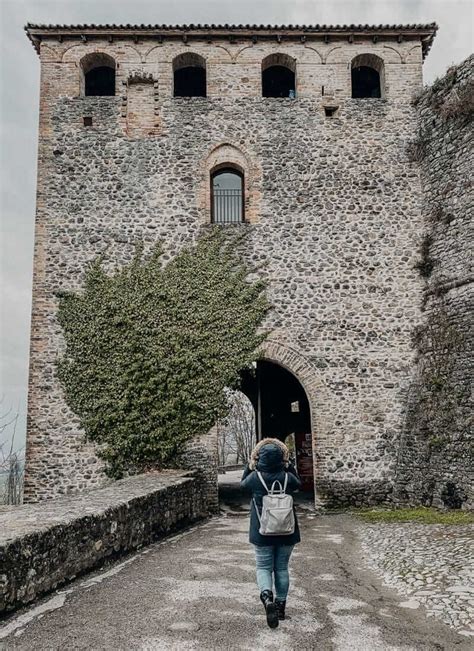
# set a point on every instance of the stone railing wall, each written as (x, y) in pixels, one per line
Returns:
(44, 545)
(200, 455)
(435, 458)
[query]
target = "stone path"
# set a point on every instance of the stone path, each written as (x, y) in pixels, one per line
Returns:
(196, 591)
(432, 564)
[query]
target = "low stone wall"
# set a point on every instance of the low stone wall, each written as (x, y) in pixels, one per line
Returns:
(338, 493)
(223, 469)
(44, 545)
(200, 455)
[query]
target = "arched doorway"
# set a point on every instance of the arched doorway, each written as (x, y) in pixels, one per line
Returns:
(282, 411)
(291, 375)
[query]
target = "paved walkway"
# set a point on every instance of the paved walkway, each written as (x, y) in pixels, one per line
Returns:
(431, 564)
(196, 591)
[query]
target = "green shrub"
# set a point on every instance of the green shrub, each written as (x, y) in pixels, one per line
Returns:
(151, 347)
(459, 103)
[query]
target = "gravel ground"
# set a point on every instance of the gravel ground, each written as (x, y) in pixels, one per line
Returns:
(433, 565)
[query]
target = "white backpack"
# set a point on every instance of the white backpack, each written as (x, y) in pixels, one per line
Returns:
(278, 517)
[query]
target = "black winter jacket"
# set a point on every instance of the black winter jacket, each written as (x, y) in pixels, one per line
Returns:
(272, 468)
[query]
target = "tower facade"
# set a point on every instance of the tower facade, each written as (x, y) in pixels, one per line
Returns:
(296, 135)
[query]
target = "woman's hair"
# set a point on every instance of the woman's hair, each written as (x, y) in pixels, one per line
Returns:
(255, 452)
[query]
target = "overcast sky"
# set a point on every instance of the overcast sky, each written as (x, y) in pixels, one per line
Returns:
(19, 82)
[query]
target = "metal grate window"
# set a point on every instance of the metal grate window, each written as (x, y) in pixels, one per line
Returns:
(227, 196)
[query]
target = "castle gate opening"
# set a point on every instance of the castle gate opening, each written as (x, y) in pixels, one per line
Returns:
(282, 411)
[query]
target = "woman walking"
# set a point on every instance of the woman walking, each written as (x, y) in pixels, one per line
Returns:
(270, 461)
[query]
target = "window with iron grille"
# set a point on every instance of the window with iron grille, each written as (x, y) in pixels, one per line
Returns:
(227, 196)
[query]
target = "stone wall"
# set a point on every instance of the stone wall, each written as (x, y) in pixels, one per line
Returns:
(435, 460)
(45, 545)
(201, 454)
(333, 207)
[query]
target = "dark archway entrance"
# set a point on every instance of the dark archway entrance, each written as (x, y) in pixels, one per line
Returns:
(282, 411)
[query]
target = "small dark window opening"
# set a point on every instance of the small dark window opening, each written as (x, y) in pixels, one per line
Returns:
(278, 81)
(190, 81)
(100, 81)
(365, 82)
(329, 111)
(227, 196)
(87, 121)
(453, 496)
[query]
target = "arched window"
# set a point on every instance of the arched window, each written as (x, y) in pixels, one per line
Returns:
(278, 76)
(98, 75)
(367, 76)
(227, 195)
(189, 74)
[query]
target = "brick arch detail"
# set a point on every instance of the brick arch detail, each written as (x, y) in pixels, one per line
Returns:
(312, 50)
(279, 59)
(414, 54)
(397, 52)
(228, 153)
(319, 396)
(49, 54)
(188, 58)
(124, 54)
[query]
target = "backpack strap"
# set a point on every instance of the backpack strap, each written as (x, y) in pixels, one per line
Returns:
(282, 489)
(274, 490)
(256, 510)
(259, 475)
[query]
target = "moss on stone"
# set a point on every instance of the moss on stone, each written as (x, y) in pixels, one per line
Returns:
(419, 515)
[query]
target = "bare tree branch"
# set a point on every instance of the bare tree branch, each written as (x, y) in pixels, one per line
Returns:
(236, 434)
(11, 463)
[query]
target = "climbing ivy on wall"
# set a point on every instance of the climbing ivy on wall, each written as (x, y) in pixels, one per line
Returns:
(151, 347)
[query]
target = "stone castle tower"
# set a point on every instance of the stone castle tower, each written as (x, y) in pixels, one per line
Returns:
(295, 134)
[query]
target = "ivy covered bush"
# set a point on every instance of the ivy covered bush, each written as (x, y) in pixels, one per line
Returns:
(151, 347)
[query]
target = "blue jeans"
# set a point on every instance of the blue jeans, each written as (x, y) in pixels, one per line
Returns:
(273, 560)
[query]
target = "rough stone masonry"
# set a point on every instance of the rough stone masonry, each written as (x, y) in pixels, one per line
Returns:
(333, 205)
(436, 462)
(43, 546)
